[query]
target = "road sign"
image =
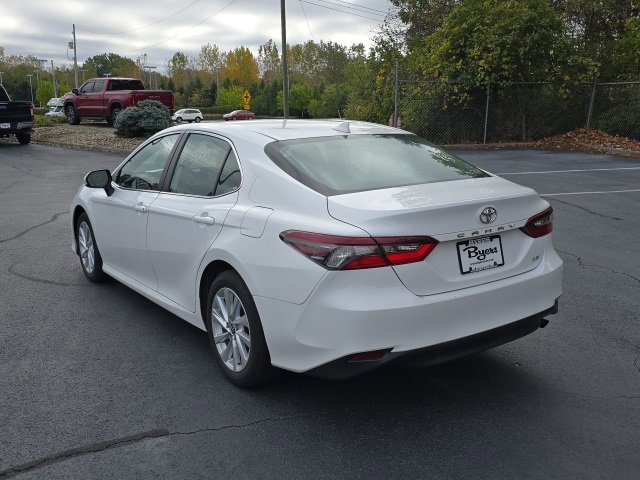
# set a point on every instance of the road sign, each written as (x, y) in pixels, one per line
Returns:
(246, 100)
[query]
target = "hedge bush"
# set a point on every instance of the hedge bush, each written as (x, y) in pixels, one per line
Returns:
(143, 120)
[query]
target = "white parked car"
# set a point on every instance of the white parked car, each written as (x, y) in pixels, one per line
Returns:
(56, 108)
(323, 247)
(187, 115)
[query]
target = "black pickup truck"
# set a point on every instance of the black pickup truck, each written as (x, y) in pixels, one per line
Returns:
(16, 118)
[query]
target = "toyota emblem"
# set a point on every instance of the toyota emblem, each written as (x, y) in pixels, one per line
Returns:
(488, 215)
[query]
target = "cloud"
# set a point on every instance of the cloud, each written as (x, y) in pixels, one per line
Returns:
(159, 28)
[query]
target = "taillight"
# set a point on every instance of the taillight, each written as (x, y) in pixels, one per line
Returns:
(31, 111)
(335, 252)
(539, 225)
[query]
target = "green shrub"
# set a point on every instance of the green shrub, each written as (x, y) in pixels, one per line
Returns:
(143, 120)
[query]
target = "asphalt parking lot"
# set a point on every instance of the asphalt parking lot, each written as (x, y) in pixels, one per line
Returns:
(97, 382)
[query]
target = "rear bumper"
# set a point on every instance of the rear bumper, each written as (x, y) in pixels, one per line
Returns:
(368, 310)
(345, 367)
(25, 127)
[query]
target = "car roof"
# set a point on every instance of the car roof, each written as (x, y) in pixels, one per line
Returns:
(293, 129)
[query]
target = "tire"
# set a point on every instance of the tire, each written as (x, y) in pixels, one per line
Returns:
(238, 342)
(90, 258)
(72, 116)
(23, 138)
(179, 120)
(114, 115)
(198, 119)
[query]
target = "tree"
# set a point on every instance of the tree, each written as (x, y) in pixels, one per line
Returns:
(240, 67)
(44, 91)
(626, 52)
(331, 103)
(210, 58)
(178, 69)
(498, 41)
(299, 98)
(596, 25)
(113, 64)
(331, 61)
(230, 97)
(209, 62)
(420, 17)
(269, 62)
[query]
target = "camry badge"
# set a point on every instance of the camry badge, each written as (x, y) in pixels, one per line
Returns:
(488, 215)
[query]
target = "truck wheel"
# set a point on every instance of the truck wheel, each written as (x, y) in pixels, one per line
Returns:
(23, 138)
(72, 118)
(114, 115)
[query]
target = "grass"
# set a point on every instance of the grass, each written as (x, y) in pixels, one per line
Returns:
(42, 121)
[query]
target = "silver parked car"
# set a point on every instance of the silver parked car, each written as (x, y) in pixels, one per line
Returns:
(187, 115)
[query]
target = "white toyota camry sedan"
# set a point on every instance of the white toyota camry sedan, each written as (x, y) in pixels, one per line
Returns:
(324, 247)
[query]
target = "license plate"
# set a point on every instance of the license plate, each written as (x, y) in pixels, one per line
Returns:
(478, 254)
(5, 125)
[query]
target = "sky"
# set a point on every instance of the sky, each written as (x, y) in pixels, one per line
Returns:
(159, 28)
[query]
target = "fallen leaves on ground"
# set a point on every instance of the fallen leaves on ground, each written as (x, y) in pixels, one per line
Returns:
(592, 141)
(85, 137)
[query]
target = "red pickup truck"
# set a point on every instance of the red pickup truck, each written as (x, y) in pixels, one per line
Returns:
(104, 98)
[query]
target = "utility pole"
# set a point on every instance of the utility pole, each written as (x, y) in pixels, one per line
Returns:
(396, 96)
(285, 72)
(55, 85)
(75, 55)
(30, 75)
(150, 82)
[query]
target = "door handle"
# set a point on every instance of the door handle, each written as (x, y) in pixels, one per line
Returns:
(204, 218)
(140, 207)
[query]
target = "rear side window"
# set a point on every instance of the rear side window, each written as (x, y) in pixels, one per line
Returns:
(98, 86)
(356, 163)
(206, 167)
(125, 85)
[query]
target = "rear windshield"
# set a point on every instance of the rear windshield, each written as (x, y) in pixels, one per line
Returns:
(4, 97)
(356, 163)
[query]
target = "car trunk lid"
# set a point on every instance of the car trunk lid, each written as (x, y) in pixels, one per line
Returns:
(469, 252)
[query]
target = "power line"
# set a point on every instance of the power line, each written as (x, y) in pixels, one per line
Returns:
(359, 7)
(343, 11)
(185, 30)
(148, 25)
(306, 18)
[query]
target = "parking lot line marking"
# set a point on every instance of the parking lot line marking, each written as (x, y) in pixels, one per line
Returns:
(571, 171)
(587, 193)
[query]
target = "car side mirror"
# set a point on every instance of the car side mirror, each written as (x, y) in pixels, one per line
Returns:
(99, 179)
(75, 91)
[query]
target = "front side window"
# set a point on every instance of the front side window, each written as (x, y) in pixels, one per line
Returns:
(144, 170)
(87, 87)
(356, 163)
(202, 167)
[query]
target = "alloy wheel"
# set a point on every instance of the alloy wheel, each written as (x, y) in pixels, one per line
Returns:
(231, 332)
(87, 250)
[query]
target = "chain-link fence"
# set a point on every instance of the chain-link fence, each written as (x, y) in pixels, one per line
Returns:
(445, 112)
